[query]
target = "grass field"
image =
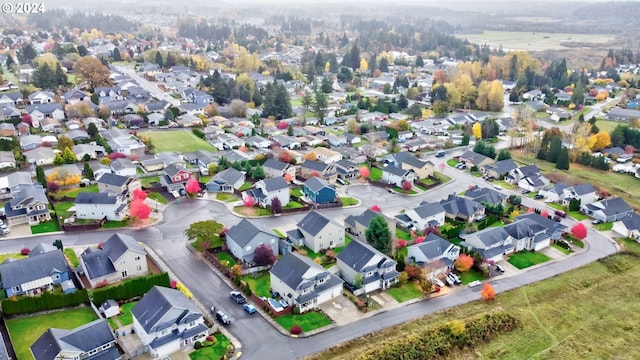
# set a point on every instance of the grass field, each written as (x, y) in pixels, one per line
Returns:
(226, 257)
(348, 201)
(16, 256)
(407, 291)
(26, 330)
(259, 285)
(588, 313)
(608, 126)
(524, 259)
(620, 185)
(307, 321)
(470, 276)
(226, 197)
(217, 351)
(182, 141)
(50, 226)
(72, 256)
(125, 318)
(158, 197)
(375, 174)
(146, 181)
(534, 41)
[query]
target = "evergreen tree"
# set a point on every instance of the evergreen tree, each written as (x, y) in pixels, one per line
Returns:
(92, 130)
(159, 58)
(403, 103)
(372, 63)
(60, 77)
(355, 57)
(40, 176)
(320, 105)
(327, 85)
(9, 63)
(88, 171)
(115, 54)
(383, 66)
(563, 159)
(44, 77)
(554, 149)
(503, 155)
(378, 234)
(419, 61)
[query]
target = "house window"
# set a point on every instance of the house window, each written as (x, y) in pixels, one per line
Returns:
(139, 268)
(122, 262)
(137, 258)
(16, 289)
(248, 248)
(56, 277)
(192, 324)
(124, 274)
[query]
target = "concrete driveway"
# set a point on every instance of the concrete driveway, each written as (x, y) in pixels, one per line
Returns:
(342, 311)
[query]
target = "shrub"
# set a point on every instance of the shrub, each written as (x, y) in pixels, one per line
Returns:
(197, 345)
(296, 330)
(25, 251)
(102, 283)
(210, 338)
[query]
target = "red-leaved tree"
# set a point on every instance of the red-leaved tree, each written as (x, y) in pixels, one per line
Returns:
(284, 156)
(530, 210)
(488, 292)
(248, 201)
(629, 149)
(117, 155)
(364, 172)
(413, 271)
(463, 263)
(402, 243)
(544, 213)
(276, 205)
(579, 231)
(139, 195)
(192, 186)
(420, 239)
(288, 177)
(27, 119)
(282, 125)
(315, 173)
(375, 208)
(432, 230)
(406, 185)
(139, 210)
(264, 255)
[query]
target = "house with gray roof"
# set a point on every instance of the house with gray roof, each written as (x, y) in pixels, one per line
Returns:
(226, 180)
(30, 142)
(243, 239)
(276, 168)
(457, 207)
(92, 341)
(408, 161)
(423, 216)
(482, 195)
(554, 192)
(40, 112)
(29, 205)
(357, 225)
(123, 167)
(607, 210)
(311, 168)
(318, 191)
(499, 169)
(101, 205)
(317, 232)
(39, 272)
(628, 226)
(120, 257)
(347, 169)
(435, 255)
(585, 193)
(167, 321)
(366, 269)
(471, 159)
(303, 283)
(397, 176)
(268, 189)
(7, 160)
(117, 184)
(88, 150)
(528, 177)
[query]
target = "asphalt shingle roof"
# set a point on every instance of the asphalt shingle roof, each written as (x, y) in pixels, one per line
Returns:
(162, 307)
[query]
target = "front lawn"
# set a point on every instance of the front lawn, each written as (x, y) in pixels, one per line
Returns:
(401, 234)
(112, 224)
(259, 285)
(561, 249)
(604, 226)
(146, 182)
(407, 291)
(297, 192)
(156, 196)
(452, 162)
(577, 215)
(470, 276)
(50, 226)
(72, 256)
(246, 186)
(217, 351)
(223, 256)
(26, 330)
(428, 181)
(505, 185)
(348, 201)
(293, 205)
(308, 321)
(402, 191)
(375, 174)
(16, 256)
(181, 141)
(441, 177)
(557, 206)
(226, 197)
(525, 259)
(252, 211)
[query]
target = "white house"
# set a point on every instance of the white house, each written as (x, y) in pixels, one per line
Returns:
(425, 215)
(96, 206)
(435, 255)
(365, 268)
(396, 176)
(267, 189)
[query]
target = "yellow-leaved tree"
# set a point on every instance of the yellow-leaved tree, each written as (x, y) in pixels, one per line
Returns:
(364, 65)
(599, 141)
(477, 130)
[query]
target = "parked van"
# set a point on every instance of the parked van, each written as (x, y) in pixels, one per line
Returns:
(560, 213)
(440, 153)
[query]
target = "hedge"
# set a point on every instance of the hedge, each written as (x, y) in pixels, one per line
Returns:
(129, 289)
(441, 341)
(44, 302)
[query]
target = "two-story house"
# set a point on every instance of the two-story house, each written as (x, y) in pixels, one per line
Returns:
(175, 177)
(408, 161)
(39, 112)
(268, 189)
(434, 255)
(317, 232)
(397, 176)
(528, 178)
(29, 205)
(318, 191)
(276, 168)
(482, 195)
(39, 272)
(366, 269)
(585, 193)
(117, 184)
(303, 283)
(94, 340)
(357, 224)
(123, 167)
(311, 168)
(473, 159)
(243, 239)
(120, 257)
(166, 321)
(101, 205)
(347, 169)
(423, 216)
(457, 207)
(499, 169)
(226, 180)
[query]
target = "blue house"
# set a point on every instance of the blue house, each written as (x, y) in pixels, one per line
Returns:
(44, 268)
(319, 191)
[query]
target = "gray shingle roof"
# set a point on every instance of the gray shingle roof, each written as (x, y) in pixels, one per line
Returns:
(105, 197)
(395, 170)
(429, 209)
(22, 271)
(313, 223)
(230, 176)
(112, 179)
(460, 206)
(81, 339)
(244, 231)
(274, 184)
(315, 184)
(100, 262)
(433, 246)
(364, 218)
(162, 307)
(315, 165)
(358, 254)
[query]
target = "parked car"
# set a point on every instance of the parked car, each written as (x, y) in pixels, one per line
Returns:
(497, 187)
(249, 308)
(474, 283)
(557, 218)
(525, 191)
(596, 222)
(449, 281)
(222, 317)
(538, 197)
(4, 229)
(560, 213)
(440, 153)
(499, 268)
(237, 297)
(454, 278)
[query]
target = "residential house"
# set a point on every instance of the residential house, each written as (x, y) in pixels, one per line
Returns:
(110, 92)
(457, 207)
(303, 283)
(77, 135)
(7, 130)
(554, 192)
(42, 97)
(100, 169)
(123, 167)
(396, 176)
(109, 308)
(435, 255)
(258, 142)
(528, 178)
(7, 160)
(175, 177)
(366, 269)
(335, 140)
(118, 184)
(311, 168)
(39, 112)
(30, 276)
(486, 196)
(28, 206)
(607, 210)
(91, 341)
(13, 181)
(408, 161)
(276, 168)
(628, 226)
(243, 239)
(227, 141)
(266, 190)
(357, 224)
(423, 216)
(319, 191)
(30, 142)
(121, 141)
(499, 169)
(584, 193)
(40, 156)
(473, 159)
(11, 98)
(189, 120)
(101, 205)
(23, 129)
(353, 139)
(75, 96)
(347, 169)
(156, 106)
(166, 321)
(317, 232)
(287, 142)
(327, 156)
(226, 180)
(8, 112)
(88, 150)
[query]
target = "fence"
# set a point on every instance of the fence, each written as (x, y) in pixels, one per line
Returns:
(267, 307)
(210, 255)
(255, 269)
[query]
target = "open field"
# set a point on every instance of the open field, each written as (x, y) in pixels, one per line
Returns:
(608, 125)
(557, 321)
(621, 185)
(182, 141)
(530, 41)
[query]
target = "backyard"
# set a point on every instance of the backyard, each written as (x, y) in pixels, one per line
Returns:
(260, 285)
(26, 330)
(125, 318)
(308, 321)
(224, 256)
(182, 141)
(407, 291)
(72, 257)
(147, 181)
(375, 174)
(525, 259)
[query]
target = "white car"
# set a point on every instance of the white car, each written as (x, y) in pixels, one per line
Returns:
(474, 283)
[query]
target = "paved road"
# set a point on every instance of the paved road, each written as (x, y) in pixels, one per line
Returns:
(148, 85)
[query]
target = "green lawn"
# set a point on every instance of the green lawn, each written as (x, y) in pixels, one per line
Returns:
(182, 141)
(223, 256)
(452, 162)
(26, 330)
(348, 201)
(402, 191)
(246, 186)
(62, 208)
(259, 285)
(125, 318)
(293, 205)
(578, 243)
(401, 234)
(308, 321)
(577, 215)
(217, 351)
(470, 276)
(629, 244)
(407, 291)
(279, 233)
(16, 256)
(556, 206)
(375, 174)
(561, 249)
(505, 185)
(297, 192)
(524, 259)
(75, 191)
(146, 181)
(428, 181)
(339, 249)
(112, 224)
(226, 197)
(442, 177)
(604, 226)
(45, 227)
(158, 197)
(608, 126)
(72, 256)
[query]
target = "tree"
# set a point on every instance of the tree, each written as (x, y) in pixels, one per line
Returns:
(65, 142)
(92, 130)
(320, 105)
(465, 139)
(192, 187)
(264, 255)
(248, 201)
(115, 54)
(563, 159)
(579, 231)
(311, 156)
(68, 156)
(488, 292)
(544, 213)
(79, 110)
(40, 176)
(419, 61)
(204, 230)
(276, 205)
(139, 210)
(599, 141)
(139, 194)
(58, 244)
(378, 234)
(504, 155)
(88, 171)
(477, 131)
(284, 156)
(406, 186)
(463, 263)
(554, 149)
(327, 85)
(364, 172)
(92, 71)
